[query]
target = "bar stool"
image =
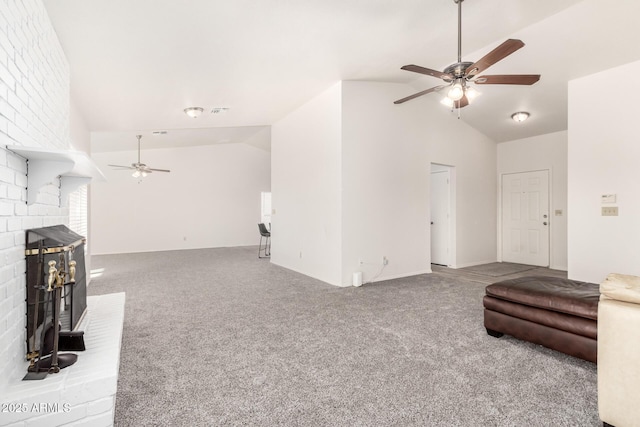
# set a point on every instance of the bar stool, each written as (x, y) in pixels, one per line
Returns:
(264, 233)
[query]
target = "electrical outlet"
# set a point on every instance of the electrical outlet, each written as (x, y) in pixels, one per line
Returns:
(610, 211)
(360, 262)
(385, 261)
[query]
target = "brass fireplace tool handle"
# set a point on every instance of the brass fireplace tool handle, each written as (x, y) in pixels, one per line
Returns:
(72, 271)
(56, 277)
(53, 274)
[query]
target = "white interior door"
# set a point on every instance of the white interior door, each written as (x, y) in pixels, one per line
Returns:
(525, 218)
(440, 217)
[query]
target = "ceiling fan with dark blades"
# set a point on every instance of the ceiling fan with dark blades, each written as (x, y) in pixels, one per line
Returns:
(458, 75)
(140, 169)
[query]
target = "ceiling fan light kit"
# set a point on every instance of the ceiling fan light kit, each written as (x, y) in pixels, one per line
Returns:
(459, 75)
(194, 112)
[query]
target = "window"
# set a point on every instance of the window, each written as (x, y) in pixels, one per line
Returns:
(78, 211)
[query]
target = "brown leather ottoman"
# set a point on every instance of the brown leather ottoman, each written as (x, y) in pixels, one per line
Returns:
(560, 314)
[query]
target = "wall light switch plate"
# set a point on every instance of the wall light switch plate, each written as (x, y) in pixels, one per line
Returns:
(609, 198)
(610, 211)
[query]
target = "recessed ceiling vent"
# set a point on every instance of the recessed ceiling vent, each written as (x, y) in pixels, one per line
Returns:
(219, 110)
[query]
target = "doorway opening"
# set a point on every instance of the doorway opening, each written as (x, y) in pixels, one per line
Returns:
(442, 217)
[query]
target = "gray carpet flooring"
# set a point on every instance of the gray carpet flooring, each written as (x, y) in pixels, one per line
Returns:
(218, 337)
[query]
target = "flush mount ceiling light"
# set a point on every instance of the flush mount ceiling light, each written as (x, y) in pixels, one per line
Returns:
(193, 112)
(520, 116)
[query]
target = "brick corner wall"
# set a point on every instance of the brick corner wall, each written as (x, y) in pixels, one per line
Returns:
(34, 112)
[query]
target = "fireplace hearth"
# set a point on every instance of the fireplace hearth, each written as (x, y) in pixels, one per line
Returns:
(56, 298)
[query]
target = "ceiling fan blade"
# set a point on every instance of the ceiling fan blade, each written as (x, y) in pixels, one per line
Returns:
(158, 170)
(428, 72)
(508, 79)
(415, 95)
(497, 54)
(120, 166)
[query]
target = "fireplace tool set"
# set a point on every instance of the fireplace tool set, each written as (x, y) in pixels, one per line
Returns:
(45, 301)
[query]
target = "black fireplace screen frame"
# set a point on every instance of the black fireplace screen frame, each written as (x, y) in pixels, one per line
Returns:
(60, 244)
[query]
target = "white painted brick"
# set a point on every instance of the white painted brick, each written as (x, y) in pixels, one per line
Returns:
(4, 90)
(13, 100)
(4, 124)
(6, 208)
(21, 209)
(15, 257)
(5, 339)
(32, 222)
(14, 72)
(102, 420)
(60, 417)
(16, 317)
(34, 111)
(6, 274)
(6, 175)
(13, 224)
(18, 238)
(6, 240)
(77, 383)
(16, 193)
(7, 77)
(6, 110)
(101, 406)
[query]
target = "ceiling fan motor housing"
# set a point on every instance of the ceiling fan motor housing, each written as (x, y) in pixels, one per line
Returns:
(458, 69)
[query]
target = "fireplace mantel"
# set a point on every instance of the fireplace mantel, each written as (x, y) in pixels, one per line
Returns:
(74, 168)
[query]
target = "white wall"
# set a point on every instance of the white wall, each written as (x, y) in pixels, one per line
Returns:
(385, 183)
(306, 194)
(370, 161)
(537, 153)
(604, 153)
(473, 155)
(34, 111)
(211, 198)
(81, 141)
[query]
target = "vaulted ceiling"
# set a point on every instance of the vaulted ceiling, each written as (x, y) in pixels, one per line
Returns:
(136, 64)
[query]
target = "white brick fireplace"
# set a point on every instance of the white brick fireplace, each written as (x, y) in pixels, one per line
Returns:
(35, 113)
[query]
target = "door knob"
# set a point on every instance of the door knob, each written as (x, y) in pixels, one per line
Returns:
(544, 223)
(431, 222)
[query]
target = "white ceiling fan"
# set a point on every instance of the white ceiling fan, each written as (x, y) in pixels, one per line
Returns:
(140, 169)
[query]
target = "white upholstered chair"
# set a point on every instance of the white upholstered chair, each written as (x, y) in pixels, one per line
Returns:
(619, 351)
